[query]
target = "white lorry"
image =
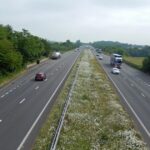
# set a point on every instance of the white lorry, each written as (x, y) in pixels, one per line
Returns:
(116, 60)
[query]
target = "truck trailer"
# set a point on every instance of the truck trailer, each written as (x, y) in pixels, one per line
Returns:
(116, 60)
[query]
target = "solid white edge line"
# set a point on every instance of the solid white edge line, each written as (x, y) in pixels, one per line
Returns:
(41, 113)
(137, 117)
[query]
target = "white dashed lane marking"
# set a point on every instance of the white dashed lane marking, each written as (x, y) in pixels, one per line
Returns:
(6, 93)
(0, 120)
(142, 94)
(22, 101)
(36, 88)
(2, 96)
(11, 90)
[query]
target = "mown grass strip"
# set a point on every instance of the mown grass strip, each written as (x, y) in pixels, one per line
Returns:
(10, 76)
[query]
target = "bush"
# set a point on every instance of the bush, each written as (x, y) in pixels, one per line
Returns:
(146, 64)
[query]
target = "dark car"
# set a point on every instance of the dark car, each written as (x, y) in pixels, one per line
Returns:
(40, 76)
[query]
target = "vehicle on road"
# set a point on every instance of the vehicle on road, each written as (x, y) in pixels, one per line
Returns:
(77, 49)
(115, 70)
(40, 76)
(56, 55)
(100, 57)
(99, 50)
(116, 60)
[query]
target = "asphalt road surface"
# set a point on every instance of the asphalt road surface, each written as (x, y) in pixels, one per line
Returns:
(24, 102)
(134, 88)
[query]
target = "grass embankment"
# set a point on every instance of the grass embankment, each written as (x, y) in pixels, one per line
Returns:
(10, 76)
(135, 62)
(95, 118)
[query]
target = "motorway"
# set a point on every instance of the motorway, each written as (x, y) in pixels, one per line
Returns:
(134, 88)
(24, 102)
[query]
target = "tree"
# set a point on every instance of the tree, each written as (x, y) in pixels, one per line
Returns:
(146, 64)
(32, 48)
(10, 60)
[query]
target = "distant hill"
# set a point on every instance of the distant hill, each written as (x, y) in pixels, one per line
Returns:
(123, 48)
(112, 44)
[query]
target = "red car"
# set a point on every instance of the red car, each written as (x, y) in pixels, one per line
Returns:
(40, 76)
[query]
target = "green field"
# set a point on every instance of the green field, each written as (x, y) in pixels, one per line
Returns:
(134, 61)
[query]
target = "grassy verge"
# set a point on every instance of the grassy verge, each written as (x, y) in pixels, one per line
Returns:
(135, 62)
(95, 118)
(11, 76)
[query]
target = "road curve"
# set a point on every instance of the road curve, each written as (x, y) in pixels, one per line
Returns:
(24, 103)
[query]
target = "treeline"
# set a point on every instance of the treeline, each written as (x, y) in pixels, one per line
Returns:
(19, 48)
(123, 48)
(127, 50)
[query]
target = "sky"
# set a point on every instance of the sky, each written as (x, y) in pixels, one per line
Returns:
(126, 21)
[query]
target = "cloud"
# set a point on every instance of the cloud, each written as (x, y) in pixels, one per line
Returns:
(120, 4)
(87, 20)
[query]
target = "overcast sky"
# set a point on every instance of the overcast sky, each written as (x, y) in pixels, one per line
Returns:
(126, 21)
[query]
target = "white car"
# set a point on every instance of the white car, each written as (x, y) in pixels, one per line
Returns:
(56, 55)
(115, 70)
(100, 57)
